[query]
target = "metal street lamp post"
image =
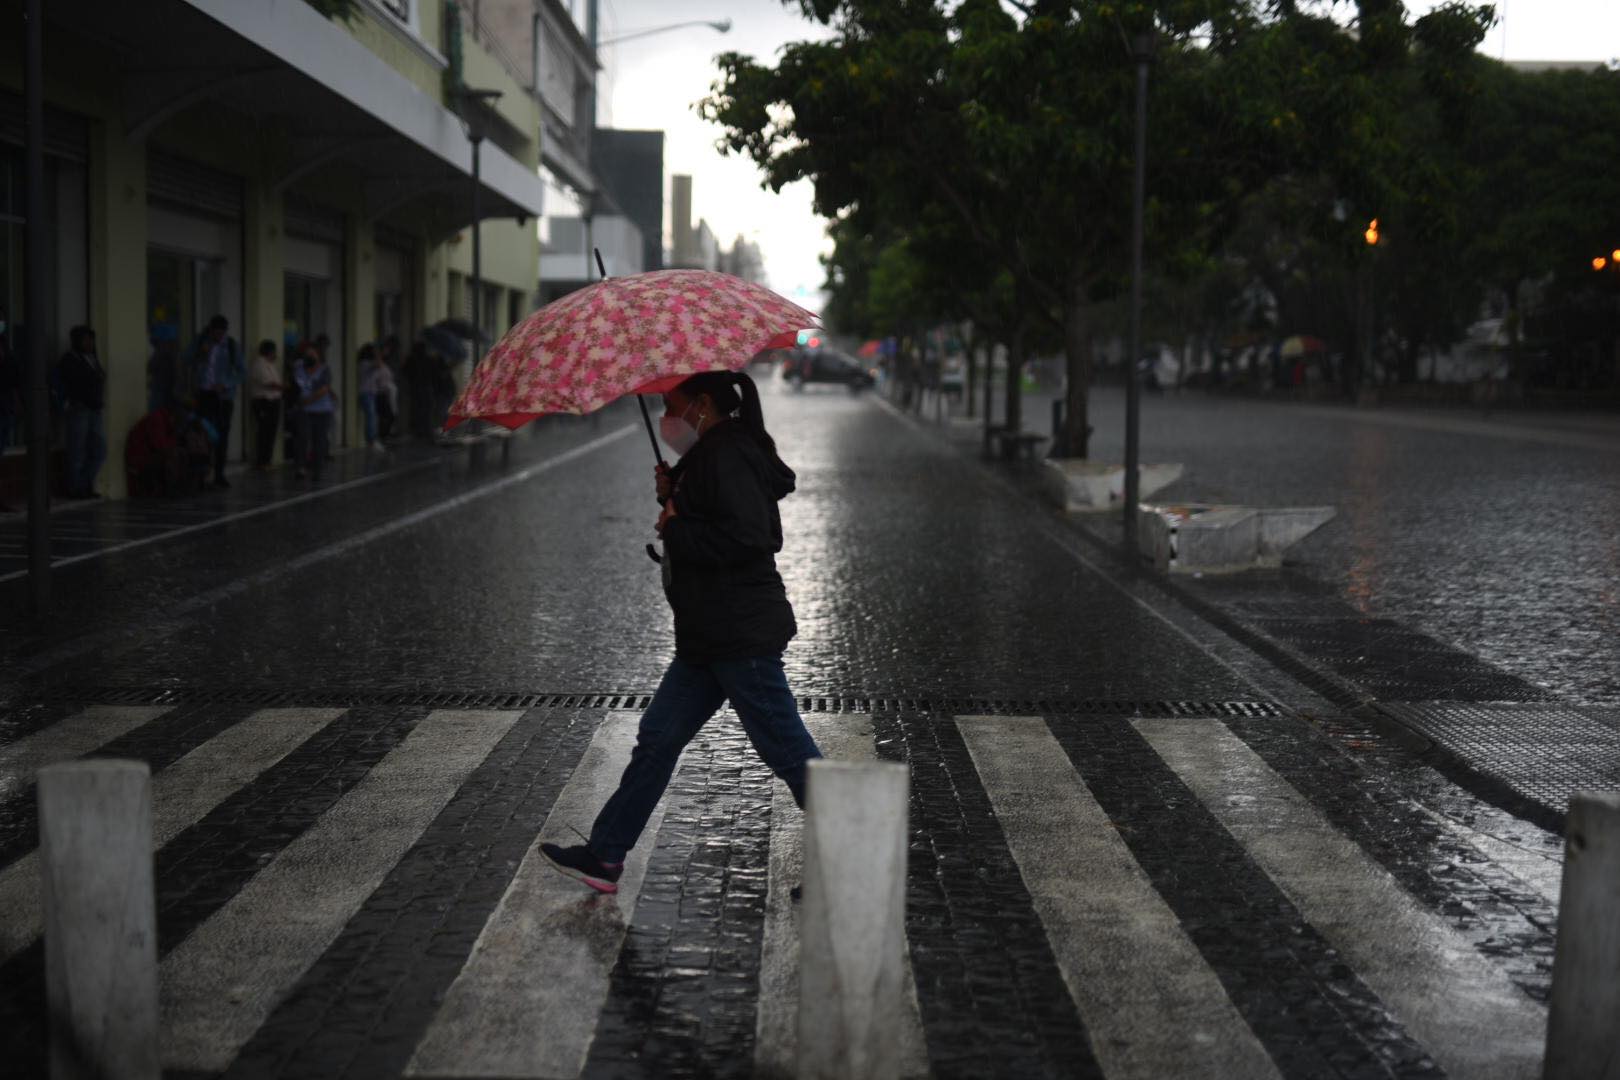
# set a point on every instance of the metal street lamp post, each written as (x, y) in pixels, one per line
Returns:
(1142, 53)
(473, 119)
(722, 25)
(38, 408)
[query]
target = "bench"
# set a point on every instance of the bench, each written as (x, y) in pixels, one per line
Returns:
(1010, 444)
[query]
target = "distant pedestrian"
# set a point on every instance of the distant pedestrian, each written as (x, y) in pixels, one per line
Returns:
(370, 383)
(419, 389)
(83, 383)
(387, 387)
(216, 360)
(290, 395)
(721, 532)
(267, 390)
(317, 402)
(444, 389)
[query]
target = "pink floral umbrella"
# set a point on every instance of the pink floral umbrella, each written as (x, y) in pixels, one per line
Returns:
(640, 334)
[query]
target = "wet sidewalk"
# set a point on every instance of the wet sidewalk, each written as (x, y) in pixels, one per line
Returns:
(90, 528)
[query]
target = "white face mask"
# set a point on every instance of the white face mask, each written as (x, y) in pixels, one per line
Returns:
(677, 434)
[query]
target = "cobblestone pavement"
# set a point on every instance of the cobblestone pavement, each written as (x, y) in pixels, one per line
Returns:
(1499, 536)
(1138, 848)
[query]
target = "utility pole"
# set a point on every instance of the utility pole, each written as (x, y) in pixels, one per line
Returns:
(1142, 53)
(38, 411)
(474, 104)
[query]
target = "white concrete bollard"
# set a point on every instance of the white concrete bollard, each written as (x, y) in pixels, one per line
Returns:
(1583, 1023)
(853, 922)
(95, 846)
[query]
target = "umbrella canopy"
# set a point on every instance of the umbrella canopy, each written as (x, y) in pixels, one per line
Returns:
(640, 334)
(461, 328)
(869, 349)
(1302, 345)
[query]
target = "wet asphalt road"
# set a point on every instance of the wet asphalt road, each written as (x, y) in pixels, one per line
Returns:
(909, 571)
(1499, 535)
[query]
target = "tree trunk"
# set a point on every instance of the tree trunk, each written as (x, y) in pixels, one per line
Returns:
(970, 366)
(1075, 438)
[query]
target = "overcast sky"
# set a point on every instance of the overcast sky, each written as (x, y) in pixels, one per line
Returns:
(654, 82)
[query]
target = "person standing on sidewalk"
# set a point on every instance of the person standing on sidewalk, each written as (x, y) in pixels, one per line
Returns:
(370, 379)
(84, 387)
(317, 401)
(217, 361)
(721, 532)
(267, 391)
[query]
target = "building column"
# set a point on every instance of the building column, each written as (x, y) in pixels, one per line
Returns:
(264, 286)
(359, 316)
(117, 197)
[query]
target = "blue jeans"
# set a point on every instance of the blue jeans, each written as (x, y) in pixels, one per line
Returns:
(368, 409)
(686, 698)
(86, 448)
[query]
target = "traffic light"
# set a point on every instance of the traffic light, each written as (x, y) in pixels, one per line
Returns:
(814, 343)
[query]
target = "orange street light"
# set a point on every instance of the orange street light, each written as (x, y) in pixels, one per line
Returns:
(1599, 263)
(1615, 255)
(1372, 232)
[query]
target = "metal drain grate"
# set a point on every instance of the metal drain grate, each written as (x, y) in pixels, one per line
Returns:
(637, 699)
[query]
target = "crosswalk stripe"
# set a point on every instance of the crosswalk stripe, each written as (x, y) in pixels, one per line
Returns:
(181, 794)
(222, 981)
(1459, 1005)
(527, 1001)
(1153, 1007)
(73, 737)
(841, 738)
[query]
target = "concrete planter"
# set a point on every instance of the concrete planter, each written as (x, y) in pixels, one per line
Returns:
(1206, 539)
(1080, 484)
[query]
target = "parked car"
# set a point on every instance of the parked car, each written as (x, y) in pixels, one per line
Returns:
(825, 366)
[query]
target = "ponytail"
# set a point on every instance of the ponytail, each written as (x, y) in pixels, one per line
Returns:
(750, 412)
(734, 392)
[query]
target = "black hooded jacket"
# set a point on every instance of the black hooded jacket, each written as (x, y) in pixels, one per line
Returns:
(720, 549)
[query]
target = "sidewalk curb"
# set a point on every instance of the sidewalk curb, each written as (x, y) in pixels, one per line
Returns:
(1355, 702)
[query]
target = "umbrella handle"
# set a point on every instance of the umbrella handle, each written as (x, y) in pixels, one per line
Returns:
(600, 268)
(647, 419)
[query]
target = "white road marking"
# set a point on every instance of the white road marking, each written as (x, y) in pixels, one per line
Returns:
(526, 1002)
(1454, 1001)
(181, 794)
(1152, 1005)
(224, 980)
(841, 738)
(67, 739)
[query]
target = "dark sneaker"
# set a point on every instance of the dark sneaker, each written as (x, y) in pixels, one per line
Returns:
(578, 863)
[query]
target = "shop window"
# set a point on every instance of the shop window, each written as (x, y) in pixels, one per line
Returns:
(305, 309)
(182, 293)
